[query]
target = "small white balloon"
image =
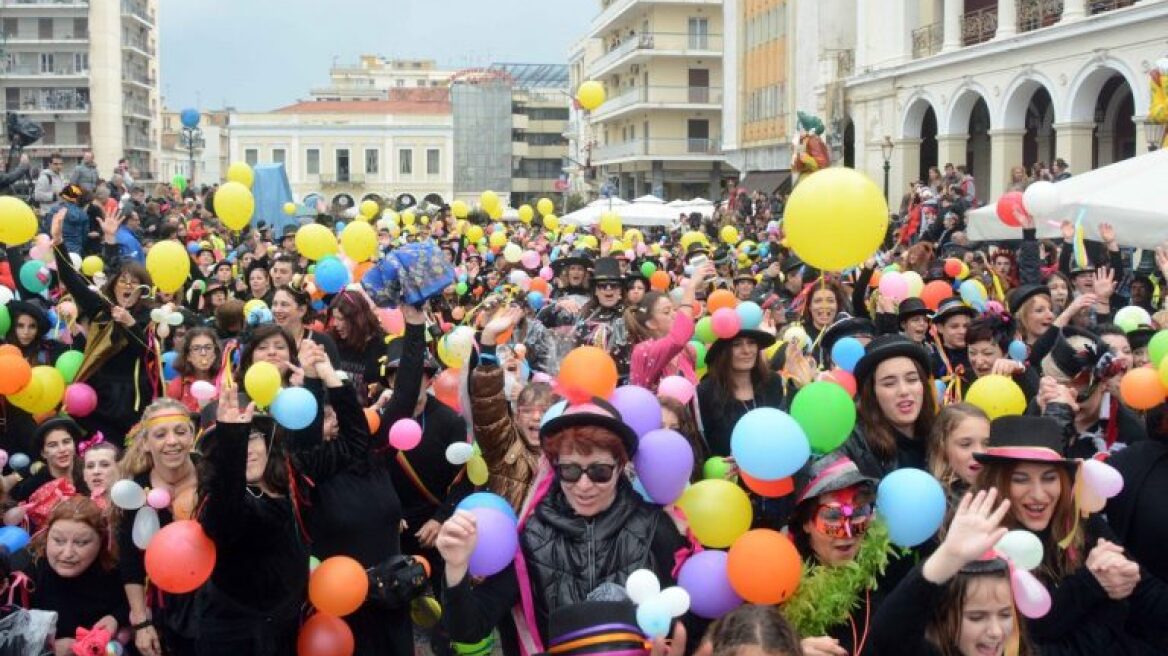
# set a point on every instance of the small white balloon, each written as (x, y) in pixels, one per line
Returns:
(127, 495)
(5, 295)
(1022, 547)
(1042, 200)
(202, 390)
(174, 318)
(76, 260)
(459, 453)
(158, 315)
(676, 599)
(642, 585)
(146, 524)
(163, 330)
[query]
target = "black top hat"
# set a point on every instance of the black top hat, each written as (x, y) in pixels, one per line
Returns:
(764, 340)
(1018, 297)
(596, 412)
(1069, 360)
(889, 346)
(952, 307)
(1140, 337)
(595, 627)
(606, 269)
(1025, 438)
(56, 423)
(911, 307)
(576, 257)
(846, 326)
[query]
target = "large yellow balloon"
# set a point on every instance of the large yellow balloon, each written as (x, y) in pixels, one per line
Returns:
(29, 396)
(729, 234)
(359, 241)
(489, 200)
(459, 209)
(836, 218)
(234, 204)
(262, 382)
(408, 218)
(315, 241)
(18, 223)
(240, 172)
(52, 385)
(996, 395)
(693, 237)
(169, 265)
(498, 239)
(474, 233)
(718, 512)
(92, 265)
(369, 208)
(545, 206)
(551, 222)
(526, 213)
(610, 224)
(590, 95)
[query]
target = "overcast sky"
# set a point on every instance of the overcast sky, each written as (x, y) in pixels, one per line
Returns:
(263, 54)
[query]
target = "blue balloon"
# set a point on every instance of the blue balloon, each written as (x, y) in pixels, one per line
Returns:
(912, 504)
(168, 359)
(13, 538)
(556, 410)
(53, 318)
(769, 444)
(294, 408)
(193, 247)
(654, 619)
(846, 352)
(749, 314)
(535, 300)
(19, 461)
(318, 305)
(1019, 350)
(259, 316)
(190, 117)
(339, 226)
(331, 275)
(488, 500)
(940, 385)
(490, 257)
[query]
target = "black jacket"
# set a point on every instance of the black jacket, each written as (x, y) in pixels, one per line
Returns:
(720, 411)
(910, 452)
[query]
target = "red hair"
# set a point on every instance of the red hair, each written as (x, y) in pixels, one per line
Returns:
(584, 440)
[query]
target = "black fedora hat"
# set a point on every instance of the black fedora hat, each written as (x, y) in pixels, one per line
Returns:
(911, 307)
(695, 249)
(745, 275)
(831, 473)
(764, 340)
(17, 308)
(952, 307)
(1025, 438)
(576, 257)
(606, 269)
(595, 412)
(1018, 297)
(885, 347)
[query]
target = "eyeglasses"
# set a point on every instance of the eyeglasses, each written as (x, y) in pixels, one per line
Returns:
(843, 520)
(203, 348)
(127, 282)
(598, 472)
(607, 286)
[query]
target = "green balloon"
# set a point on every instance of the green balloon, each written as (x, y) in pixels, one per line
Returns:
(699, 354)
(5, 320)
(69, 363)
(460, 288)
(826, 414)
(180, 182)
(704, 331)
(648, 269)
(715, 467)
(1157, 347)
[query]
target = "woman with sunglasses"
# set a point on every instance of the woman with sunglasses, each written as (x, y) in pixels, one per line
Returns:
(585, 526)
(600, 321)
(198, 360)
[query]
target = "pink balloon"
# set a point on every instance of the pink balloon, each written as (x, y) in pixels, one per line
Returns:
(80, 400)
(630, 255)
(677, 388)
(3, 458)
(158, 498)
(894, 285)
(392, 321)
(642, 248)
(1102, 478)
(530, 260)
(546, 273)
(202, 390)
(725, 323)
(1030, 595)
(405, 434)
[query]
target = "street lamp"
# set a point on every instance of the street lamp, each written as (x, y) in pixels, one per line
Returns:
(192, 137)
(1155, 135)
(886, 147)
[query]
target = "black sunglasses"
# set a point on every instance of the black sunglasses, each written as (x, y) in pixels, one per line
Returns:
(607, 286)
(597, 472)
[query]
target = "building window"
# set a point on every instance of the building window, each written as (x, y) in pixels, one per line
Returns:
(81, 62)
(405, 158)
(312, 158)
(372, 163)
(251, 156)
(46, 62)
(279, 155)
(433, 161)
(699, 33)
(342, 165)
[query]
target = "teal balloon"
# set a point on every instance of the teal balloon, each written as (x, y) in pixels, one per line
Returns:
(750, 314)
(69, 363)
(826, 413)
(33, 276)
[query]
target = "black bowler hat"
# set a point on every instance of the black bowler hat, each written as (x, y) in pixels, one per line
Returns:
(885, 347)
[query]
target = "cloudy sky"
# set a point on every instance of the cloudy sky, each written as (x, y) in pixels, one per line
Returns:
(262, 54)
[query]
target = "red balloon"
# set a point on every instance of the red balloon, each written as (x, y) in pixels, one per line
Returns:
(446, 389)
(770, 489)
(934, 292)
(952, 267)
(180, 557)
(1007, 204)
(844, 380)
(325, 635)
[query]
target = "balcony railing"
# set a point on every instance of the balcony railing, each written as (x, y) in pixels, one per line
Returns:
(139, 77)
(139, 141)
(1036, 14)
(52, 100)
(44, 3)
(979, 26)
(926, 41)
(36, 71)
(1100, 6)
(662, 95)
(660, 149)
(659, 42)
(137, 9)
(142, 45)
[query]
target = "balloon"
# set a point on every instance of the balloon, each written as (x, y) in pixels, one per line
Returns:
(659, 281)
(203, 390)
(610, 224)
(545, 206)
(915, 283)
(477, 471)
(315, 241)
(1030, 595)
(769, 489)
(1132, 317)
(52, 389)
(997, 396)
(722, 298)
(459, 209)
(530, 260)
(912, 504)
(325, 635)
(763, 565)
(894, 286)
(1103, 479)
(836, 221)
(642, 585)
(69, 363)
(973, 293)
(458, 453)
(729, 234)
(80, 400)
(92, 265)
(590, 95)
(15, 373)
(1141, 389)
(1018, 350)
(934, 292)
(34, 275)
(13, 538)
(180, 557)
(664, 462)
(289, 208)
(846, 352)
(18, 222)
(725, 323)
(19, 461)
(676, 600)
(446, 388)
(234, 204)
(1007, 203)
(262, 382)
(653, 618)
(638, 407)
(293, 408)
(405, 434)
(338, 586)
(705, 576)
(489, 200)
(330, 273)
(498, 542)
(145, 527)
(127, 495)
(158, 498)
(676, 388)
(240, 172)
(826, 414)
(359, 241)
(487, 500)
(749, 315)
(586, 372)
(1158, 347)
(168, 264)
(718, 512)
(512, 253)
(1041, 200)
(1023, 548)
(369, 208)
(768, 444)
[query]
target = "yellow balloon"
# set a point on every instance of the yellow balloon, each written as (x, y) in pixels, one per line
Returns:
(729, 234)
(359, 241)
(369, 208)
(18, 223)
(590, 95)
(545, 206)
(29, 396)
(526, 213)
(498, 239)
(476, 470)
(569, 229)
(588, 241)
(551, 222)
(632, 236)
(996, 395)
(610, 224)
(474, 233)
(169, 265)
(240, 172)
(496, 213)
(315, 241)
(459, 209)
(289, 208)
(408, 218)
(692, 237)
(234, 204)
(262, 382)
(253, 304)
(836, 218)
(718, 512)
(489, 200)
(92, 265)
(52, 385)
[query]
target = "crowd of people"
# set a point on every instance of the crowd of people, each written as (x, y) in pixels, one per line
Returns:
(542, 375)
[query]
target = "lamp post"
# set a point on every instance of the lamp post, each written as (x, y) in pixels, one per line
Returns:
(1155, 135)
(192, 138)
(886, 147)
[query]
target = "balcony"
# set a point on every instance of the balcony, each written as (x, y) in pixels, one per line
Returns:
(41, 5)
(139, 11)
(1037, 14)
(144, 47)
(979, 26)
(926, 41)
(1101, 6)
(137, 110)
(682, 149)
(642, 46)
(138, 141)
(51, 101)
(660, 97)
(142, 78)
(616, 9)
(34, 71)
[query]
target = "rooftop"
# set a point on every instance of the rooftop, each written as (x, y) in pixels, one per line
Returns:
(535, 76)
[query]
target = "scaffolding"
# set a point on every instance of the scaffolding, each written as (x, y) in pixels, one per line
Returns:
(481, 107)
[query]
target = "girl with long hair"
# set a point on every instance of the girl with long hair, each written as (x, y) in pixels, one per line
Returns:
(198, 360)
(359, 339)
(660, 332)
(961, 431)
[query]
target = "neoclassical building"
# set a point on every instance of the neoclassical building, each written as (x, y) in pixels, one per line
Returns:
(993, 85)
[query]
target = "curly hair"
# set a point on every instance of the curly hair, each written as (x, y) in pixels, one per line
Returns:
(83, 510)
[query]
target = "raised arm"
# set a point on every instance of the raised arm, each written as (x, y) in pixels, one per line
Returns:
(353, 442)
(224, 483)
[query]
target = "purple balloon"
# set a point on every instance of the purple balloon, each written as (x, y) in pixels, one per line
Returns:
(664, 462)
(639, 408)
(497, 544)
(704, 577)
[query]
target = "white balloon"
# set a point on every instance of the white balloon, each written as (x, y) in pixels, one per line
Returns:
(5, 295)
(642, 585)
(1042, 200)
(163, 330)
(76, 260)
(145, 526)
(202, 390)
(174, 318)
(127, 495)
(459, 453)
(1022, 547)
(676, 599)
(158, 315)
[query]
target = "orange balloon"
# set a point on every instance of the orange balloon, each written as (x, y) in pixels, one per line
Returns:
(587, 371)
(10, 349)
(540, 285)
(764, 567)
(935, 292)
(446, 389)
(659, 281)
(504, 337)
(15, 372)
(875, 281)
(374, 420)
(180, 557)
(360, 270)
(722, 298)
(338, 586)
(1141, 388)
(770, 489)
(423, 562)
(325, 635)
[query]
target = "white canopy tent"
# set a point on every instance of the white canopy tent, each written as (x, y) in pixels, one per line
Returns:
(644, 211)
(1131, 195)
(699, 205)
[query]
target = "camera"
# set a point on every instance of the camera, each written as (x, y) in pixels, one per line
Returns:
(20, 132)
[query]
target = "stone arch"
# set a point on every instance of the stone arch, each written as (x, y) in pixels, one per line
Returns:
(1088, 83)
(1012, 114)
(956, 120)
(916, 107)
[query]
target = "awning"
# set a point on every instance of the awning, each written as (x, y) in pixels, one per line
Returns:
(766, 181)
